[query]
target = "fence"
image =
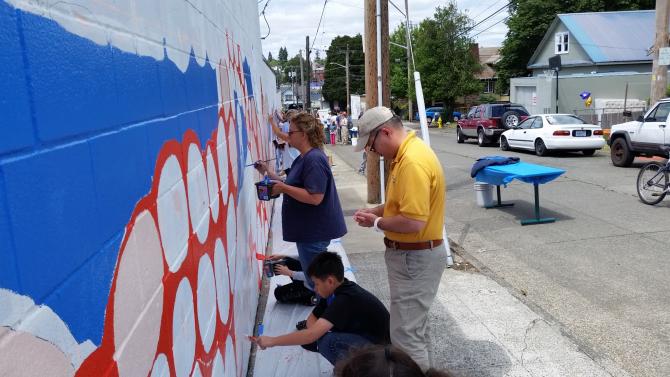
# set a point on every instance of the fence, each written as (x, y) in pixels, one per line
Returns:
(606, 117)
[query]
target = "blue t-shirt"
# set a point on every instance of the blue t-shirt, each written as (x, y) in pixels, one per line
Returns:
(303, 222)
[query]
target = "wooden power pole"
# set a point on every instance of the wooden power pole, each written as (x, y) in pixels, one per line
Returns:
(302, 82)
(659, 73)
(408, 44)
(308, 89)
(346, 68)
(371, 93)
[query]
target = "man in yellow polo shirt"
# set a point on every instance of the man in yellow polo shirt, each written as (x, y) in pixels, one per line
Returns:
(412, 220)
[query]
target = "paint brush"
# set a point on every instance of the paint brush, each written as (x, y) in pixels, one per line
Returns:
(252, 164)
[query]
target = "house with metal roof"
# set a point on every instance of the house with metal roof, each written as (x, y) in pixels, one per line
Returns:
(604, 53)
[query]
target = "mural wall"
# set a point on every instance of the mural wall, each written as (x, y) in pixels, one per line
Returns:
(129, 226)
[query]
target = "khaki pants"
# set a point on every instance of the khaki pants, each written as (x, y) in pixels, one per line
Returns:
(345, 135)
(414, 277)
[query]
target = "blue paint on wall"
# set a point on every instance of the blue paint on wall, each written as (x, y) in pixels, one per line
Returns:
(9, 278)
(101, 117)
(14, 99)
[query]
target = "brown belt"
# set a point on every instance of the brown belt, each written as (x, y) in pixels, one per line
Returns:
(412, 245)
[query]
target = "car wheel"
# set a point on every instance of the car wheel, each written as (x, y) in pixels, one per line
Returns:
(589, 152)
(504, 146)
(620, 154)
(482, 140)
(510, 119)
(459, 136)
(540, 149)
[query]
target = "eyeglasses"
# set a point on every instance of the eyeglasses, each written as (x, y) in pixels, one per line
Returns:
(371, 145)
(292, 132)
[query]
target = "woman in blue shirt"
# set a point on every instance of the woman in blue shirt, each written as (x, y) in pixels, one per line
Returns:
(311, 210)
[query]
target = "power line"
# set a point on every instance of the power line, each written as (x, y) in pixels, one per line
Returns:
(484, 11)
(482, 21)
(319, 25)
(490, 26)
(266, 20)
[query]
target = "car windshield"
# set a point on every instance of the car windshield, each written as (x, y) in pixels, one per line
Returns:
(434, 109)
(564, 119)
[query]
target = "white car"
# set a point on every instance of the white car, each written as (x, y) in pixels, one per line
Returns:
(548, 132)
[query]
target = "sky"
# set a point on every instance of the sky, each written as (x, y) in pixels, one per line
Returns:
(291, 20)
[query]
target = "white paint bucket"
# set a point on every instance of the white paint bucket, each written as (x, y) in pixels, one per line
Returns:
(483, 194)
(354, 141)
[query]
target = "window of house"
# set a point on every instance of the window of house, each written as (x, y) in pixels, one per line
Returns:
(561, 45)
(489, 86)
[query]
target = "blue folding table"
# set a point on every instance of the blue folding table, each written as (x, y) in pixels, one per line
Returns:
(530, 173)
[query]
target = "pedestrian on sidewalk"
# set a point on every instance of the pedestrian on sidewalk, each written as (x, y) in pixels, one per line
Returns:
(347, 317)
(344, 127)
(288, 153)
(412, 220)
(311, 210)
(332, 128)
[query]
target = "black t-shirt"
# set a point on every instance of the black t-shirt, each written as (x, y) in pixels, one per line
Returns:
(352, 309)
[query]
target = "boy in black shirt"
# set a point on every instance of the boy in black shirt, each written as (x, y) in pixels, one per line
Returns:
(347, 315)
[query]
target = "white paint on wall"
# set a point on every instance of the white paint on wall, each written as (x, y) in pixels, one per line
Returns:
(150, 27)
(222, 153)
(20, 314)
(198, 196)
(222, 281)
(217, 369)
(161, 368)
(183, 330)
(231, 236)
(231, 368)
(173, 213)
(138, 299)
(206, 295)
(212, 186)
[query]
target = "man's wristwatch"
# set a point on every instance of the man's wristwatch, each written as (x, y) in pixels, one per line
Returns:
(376, 224)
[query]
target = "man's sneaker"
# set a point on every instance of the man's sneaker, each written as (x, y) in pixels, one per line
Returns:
(295, 293)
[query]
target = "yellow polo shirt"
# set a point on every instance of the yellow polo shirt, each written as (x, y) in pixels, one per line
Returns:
(416, 189)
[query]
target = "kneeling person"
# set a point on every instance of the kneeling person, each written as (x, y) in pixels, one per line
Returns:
(346, 316)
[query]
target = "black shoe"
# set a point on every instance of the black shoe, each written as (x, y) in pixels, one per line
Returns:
(301, 325)
(295, 293)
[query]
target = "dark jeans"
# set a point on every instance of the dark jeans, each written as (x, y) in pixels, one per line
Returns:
(334, 346)
(306, 252)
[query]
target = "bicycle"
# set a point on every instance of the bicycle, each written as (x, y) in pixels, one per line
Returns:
(652, 181)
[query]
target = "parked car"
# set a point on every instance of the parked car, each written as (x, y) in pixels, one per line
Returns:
(435, 112)
(487, 121)
(642, 137)
(549, 132)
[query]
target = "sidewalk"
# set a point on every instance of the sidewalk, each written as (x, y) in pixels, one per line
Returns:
(477, 327)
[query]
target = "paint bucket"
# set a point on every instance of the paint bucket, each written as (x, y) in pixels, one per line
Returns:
(483, 194)
(264, 190)
(354, 141)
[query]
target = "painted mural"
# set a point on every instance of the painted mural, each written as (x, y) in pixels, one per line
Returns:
(130, 232)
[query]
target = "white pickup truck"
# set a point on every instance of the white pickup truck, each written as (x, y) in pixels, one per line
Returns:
(645, 136)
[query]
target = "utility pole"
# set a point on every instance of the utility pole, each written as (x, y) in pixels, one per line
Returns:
(659, 73)
(308, 89)
(302, 83)
(371, 81)
(408, 43)
(346, 68)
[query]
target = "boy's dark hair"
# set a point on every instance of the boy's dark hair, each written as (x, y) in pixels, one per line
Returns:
(326, 264)
(382, 361)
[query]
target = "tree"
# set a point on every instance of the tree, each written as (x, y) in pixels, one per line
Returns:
(529, 21)
(443, 54)
(317, 58)
(270, 58)
(334, 86)
(283, 55)
(398, 62)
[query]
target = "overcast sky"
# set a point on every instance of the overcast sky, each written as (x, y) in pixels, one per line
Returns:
(291, 20)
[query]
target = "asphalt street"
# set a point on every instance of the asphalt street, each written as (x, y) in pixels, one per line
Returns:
(600, 272)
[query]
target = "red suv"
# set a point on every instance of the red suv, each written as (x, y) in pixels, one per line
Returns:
(487, 121)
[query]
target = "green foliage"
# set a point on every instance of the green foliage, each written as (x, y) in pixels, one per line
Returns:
(270, 58)
(486, 98)
(443, 55)
(398, 63)
(334, 86)
(530, 19)
(283, 55)
(667, 91)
